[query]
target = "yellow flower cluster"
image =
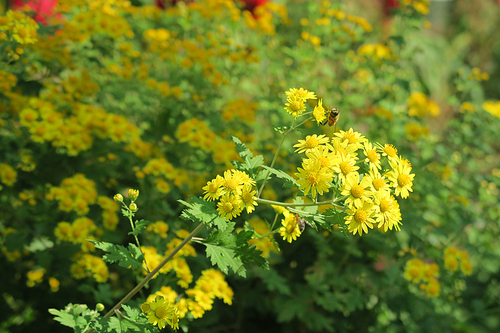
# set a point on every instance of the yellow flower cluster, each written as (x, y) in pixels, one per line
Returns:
(235, 192)
(109, 212)
(101, 17)
(16, 25)
(8, 175)
(420, 106)
(367, 196)
(7, 81)
(209, 286)
(492, 107)
(35, 276)
(262, 21)
(452, 256)
(417, 271)
(87, 265)
(421, 6)
(178, 264)
(290, 227)
(263, 244)
(415, 131)
(239, 108)
(74, 194)
(159, 227)
(197, 134)
(375, 52)
(78, 232)
(296, 100)
(476, 74)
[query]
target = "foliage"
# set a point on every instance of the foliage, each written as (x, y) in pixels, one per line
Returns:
(113, 95)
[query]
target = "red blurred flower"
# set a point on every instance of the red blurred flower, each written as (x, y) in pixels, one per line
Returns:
(389, 5)
(44, 9)
(250, 5)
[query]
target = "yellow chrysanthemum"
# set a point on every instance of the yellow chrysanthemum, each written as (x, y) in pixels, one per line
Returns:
(388, 215)
(301, 93)
(354, 138)
(311, 177)
(345, 166)
(319, 112)
(290, 229)
(355, 190)
(248, 197)
(230, 206)
(372, 156)
(311, 142)
(295, 105)
(323, 155)
(401, 179)
(360, 217)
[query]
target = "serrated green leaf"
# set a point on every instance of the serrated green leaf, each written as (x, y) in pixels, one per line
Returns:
(139, 225)
(289, 180)
(224, 258)
(250, 164)
(247, 252)
(63, 317)
(131, 257)
(200, 210)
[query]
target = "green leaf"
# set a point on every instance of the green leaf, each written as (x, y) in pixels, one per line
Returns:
(63, 317)
(117, 253)
(275, 282)
(250, 164)
(139, 225)
(202, 211)
(247, 252)
(224, 258)
(289, 180)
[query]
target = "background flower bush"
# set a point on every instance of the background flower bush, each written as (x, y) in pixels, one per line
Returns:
(111, 95)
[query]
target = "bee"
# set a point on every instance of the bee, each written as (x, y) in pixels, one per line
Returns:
(332, 117)
(301, 222)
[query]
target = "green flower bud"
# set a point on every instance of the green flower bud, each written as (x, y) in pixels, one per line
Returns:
(133, 194)
(118, 197)
(133, 207)
(99, 307)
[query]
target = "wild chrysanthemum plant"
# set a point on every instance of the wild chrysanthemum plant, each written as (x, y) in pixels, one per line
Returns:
(355, 180)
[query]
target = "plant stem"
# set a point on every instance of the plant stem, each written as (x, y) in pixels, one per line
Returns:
(151, 274)
(288, 204)
(274, 159)
(137, 241)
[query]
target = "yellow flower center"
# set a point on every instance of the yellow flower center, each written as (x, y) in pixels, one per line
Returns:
(161, 312)
(357, 191)
(228, 207)
(378, 184)
(231, 184)
(312, 178)
(415, 272)
(295, 105)
(385, 206)
(349, 136)
(247, 197)
(311, 142)
(212, 187)
(390, 150)
(290, 228)
(345, 167)
(403, 180)
(324, 162)
(360, 216)
(372, 155)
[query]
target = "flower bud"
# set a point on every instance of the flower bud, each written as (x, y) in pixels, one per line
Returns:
(99, 307)
(133, 207)
(118, 197)
(133, 194)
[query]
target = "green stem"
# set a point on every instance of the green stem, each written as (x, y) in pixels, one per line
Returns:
(274, 158)
(151, 274)
(288, 204)
(137, 241)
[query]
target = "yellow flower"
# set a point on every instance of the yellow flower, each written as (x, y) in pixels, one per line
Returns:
(345, 166)
(290, 229)
(388, 214)
(354, 138)
(295, 105)
(372, 156)
(360, 217)
(248, 198)
(311, 177)
(230, 206)
(323, 155)
(401, 179)
(301, 93)
(319, 112)
(311, 142)
(355, 190)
